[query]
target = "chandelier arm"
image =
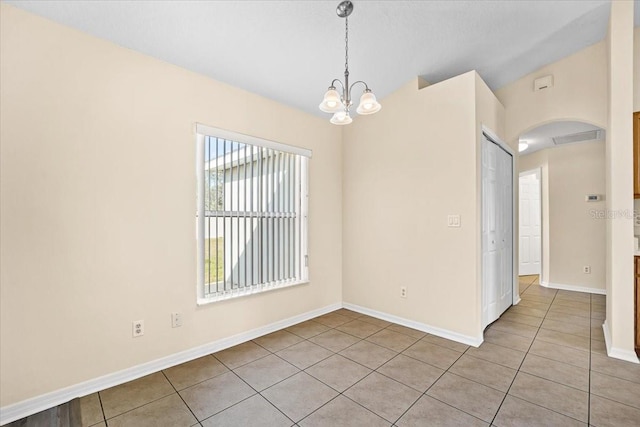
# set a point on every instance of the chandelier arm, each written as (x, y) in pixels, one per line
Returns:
(344, 94)
(366, 87)
(333, 83)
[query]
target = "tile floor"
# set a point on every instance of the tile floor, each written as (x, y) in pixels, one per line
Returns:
(543, 363)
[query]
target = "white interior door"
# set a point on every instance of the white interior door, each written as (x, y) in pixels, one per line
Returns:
(505, 229)
(497, 231)
(530, 239)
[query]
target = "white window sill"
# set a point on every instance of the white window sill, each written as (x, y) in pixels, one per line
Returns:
(238, 293)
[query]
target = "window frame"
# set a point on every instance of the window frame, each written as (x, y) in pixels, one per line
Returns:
(202, 132)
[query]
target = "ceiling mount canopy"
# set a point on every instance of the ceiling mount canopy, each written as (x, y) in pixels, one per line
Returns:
(340, 103)
(344, 9)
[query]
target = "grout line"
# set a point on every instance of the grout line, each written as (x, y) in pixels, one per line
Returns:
(180, 396)
(551, 381)
(558, 361)
(434, 382)
(333, 353)
(256, 391)
(542, 339)
(522, 362)
(527, 353)
(277, 409)
(104, 418)
(139, 406)
(548, 409)
(451, 406)
(566, 346)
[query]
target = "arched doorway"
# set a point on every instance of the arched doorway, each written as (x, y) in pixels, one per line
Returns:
(561, 192)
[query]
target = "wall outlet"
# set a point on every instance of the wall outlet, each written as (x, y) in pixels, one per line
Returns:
(403, 291)
(176, 320)
(586, 269)
(138, 328)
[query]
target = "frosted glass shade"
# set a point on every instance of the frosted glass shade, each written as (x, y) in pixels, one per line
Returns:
(368, 103)
(331, 102)
(341, 118)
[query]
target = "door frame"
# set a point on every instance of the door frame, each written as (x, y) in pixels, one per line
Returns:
(515, 224)
(538, 172)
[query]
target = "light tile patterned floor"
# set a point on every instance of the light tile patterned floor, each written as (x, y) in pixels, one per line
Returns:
(542, 364)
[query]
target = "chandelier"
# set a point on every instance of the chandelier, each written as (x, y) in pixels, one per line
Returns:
(339, 104)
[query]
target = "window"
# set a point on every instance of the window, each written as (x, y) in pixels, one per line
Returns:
(252, 214)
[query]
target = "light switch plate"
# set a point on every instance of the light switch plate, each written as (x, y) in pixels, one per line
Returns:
(453, 221)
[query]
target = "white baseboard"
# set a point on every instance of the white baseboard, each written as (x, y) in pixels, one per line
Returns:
(573, 288)
(443, 333)
(31, 406)
(618, 353)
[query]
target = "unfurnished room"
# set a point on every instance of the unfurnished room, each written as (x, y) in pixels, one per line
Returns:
(319, 213)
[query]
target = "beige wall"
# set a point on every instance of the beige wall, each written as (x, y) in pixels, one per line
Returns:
(405, 170)
(579, 93)
(636, 69)
(98, 201)
(577, 236)
(619, 326)
(573, 235)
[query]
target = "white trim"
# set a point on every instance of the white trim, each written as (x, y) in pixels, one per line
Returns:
(31, 406)
(497, 140)
(618, 353)
(200, 215)
(538, 173)
(443, 333)
(249, 139)
(535, 171)
(248, 290)
(574, 288)
(304, 217)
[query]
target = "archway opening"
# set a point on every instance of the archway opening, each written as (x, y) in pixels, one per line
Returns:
(561, 240)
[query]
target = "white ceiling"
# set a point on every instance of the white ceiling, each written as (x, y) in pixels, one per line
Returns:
(290, 51)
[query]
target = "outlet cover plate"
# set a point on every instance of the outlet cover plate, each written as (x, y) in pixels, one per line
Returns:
(137, 328)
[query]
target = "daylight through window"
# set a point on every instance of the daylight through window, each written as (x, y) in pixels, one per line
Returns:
(252, 214)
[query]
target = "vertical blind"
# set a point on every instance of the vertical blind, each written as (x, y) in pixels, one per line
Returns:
(252, 198)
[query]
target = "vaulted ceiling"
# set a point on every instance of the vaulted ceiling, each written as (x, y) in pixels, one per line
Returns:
(290, 51)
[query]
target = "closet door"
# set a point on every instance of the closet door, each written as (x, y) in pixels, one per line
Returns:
(505, 227)
(497, 231)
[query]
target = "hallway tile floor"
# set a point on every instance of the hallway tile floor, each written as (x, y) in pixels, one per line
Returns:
(543, 363)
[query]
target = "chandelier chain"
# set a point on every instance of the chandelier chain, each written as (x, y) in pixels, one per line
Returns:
(346, 44)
